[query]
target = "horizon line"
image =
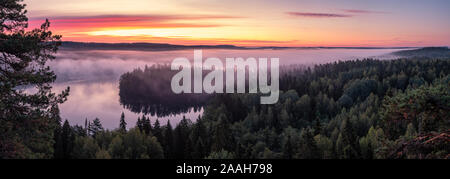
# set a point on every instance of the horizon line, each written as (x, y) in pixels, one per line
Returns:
(239, 46)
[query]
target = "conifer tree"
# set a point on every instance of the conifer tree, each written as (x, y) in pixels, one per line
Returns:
(23, 62)
(96, 127)
(308, 148)
(68, 138)
(139, 124)
(123, 124)
(146, 125)
(157, 132)
(168, 141)
(288, 149)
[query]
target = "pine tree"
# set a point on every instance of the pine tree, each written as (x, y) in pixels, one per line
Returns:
(96, 127)
(181, 137)
(198, 136)
(199, 149)
(157, 132)
(57, 146)
(347, 143)
(146, 125)
(308, 148)
(68, 139)
(139, 124)
(169, 143)
(222, 138)
(188, 149)
(123, 124)
(317, 125)
(23, 59)
(288, 149)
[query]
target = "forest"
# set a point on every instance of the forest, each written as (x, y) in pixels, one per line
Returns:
(359, 109)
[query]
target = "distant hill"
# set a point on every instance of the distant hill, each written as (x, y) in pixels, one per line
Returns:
(164, 47)
(430, 52)
(140, 46)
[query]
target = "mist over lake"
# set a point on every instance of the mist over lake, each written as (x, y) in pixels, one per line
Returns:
(93, 76)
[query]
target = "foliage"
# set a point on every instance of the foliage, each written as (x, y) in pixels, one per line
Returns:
(28, 118)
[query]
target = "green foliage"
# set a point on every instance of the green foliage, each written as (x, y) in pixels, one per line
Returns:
(27, 119)
(95, 128)
(325, 146)
(426, 108)
(339, 114)
(307, 147)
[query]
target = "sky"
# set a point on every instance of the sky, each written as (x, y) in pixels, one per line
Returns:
(356, 23)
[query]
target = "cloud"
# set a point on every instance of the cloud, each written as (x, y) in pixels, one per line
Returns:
(133, 18)
(347, 13)
(317, 15)
(134, 21)
(360, 11)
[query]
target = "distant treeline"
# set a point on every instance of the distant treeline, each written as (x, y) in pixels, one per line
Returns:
(141, 46)
(427, 52)
(353, 109)
(163, 47)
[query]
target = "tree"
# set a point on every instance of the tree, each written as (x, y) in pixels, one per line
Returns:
(123, 124)
(199, 149)
(96, 127)
(346, 144)
(139, 145)
(116, 148)
(23, 62)
(182, 147)
(139, 124)
(146, 125)
(67, 138)
(325, 146)
(307, 147)
(58, 145)
(288, 149)
(85, 148)
(157, 132)
(426, 106)
(222, 140)
(198, 136)
(372, 141)
(168, 141)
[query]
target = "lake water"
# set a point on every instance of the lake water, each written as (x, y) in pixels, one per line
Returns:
(93, 76)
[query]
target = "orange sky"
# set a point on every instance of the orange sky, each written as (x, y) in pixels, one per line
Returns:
(249, 23)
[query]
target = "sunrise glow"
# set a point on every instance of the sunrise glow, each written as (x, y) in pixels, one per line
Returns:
(278, 23)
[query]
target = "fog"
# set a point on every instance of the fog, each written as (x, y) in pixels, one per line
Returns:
(93, 76)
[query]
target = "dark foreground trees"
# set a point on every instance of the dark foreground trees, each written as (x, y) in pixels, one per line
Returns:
(28, 117)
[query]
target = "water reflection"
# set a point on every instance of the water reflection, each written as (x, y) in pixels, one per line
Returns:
(149, 91)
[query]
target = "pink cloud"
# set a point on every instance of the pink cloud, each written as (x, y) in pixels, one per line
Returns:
(359, 11)
(317, 15)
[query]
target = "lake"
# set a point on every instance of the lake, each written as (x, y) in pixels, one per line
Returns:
(93, 76)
